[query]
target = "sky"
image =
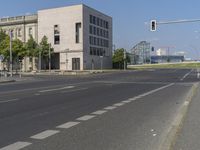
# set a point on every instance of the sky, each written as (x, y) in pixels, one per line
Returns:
(131, 20)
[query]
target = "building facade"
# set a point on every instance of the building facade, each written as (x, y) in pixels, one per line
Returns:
(81, 36)
(141, 53)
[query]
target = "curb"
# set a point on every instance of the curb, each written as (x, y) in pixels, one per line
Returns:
(172, 133)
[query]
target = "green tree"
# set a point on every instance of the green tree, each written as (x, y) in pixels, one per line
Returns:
(31, 47)
(118, 58)
(44, 48)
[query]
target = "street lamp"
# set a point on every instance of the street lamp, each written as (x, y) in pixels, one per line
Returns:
(11, 67)
(50, 58)
(124, 59)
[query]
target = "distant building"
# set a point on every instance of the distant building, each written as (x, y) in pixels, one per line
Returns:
(81, 36)
(161, 52)
(166, 59)
(140, 53)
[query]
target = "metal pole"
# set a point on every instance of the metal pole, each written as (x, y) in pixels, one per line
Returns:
(11, 63)
(124, 59)
(101, 57)
(39, 64)
(49, 58)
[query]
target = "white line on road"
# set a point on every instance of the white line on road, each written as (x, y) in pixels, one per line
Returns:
(127, 101)
(68, 125)
(10, 100)
(110, 108)
(85, 118)
(75, 90)
(58, 89)
(187, 74)
(44, 134)
(99, 112)
(16, 146)
(118, 104)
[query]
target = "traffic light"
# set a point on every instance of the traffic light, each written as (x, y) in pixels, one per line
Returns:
(153, 25)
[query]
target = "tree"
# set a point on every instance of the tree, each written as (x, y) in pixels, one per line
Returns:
(31, 47)
(44, 48)
(118, 58)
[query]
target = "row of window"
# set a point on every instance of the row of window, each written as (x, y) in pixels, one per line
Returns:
(18, 32)
(99, 22)
(57, 33)
(97, 51)
(99, 32)
(99, 42)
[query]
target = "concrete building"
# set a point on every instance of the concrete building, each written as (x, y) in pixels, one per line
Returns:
(81, 36)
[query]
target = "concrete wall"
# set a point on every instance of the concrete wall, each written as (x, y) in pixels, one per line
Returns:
(66, 18)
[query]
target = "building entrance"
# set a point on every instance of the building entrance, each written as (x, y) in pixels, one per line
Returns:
(75, 63)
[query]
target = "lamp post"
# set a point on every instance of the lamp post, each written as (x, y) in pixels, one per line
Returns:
(49, 58)
(11, 63)
(124, 59)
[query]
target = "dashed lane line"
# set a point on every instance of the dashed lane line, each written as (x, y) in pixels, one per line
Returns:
(68, 125)
(57, 89)
(16, 146)
(44, 134)
(85, 118)
(99, 112)
(10, 100)
(110, 108)
(48, 133)
(118, 104)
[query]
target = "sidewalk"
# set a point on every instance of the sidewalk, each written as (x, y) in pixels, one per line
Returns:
(189, 135)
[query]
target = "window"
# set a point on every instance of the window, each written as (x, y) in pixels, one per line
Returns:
(94, 20)
(94, 31)
(101, 22)
(98, 31)
(95, 39)
(56, 39)
(78, 30)
(19, 32)
(91, 18)
(107, 25)
(98, 21)
(30, 31)
(91, 51)
(56, 34)
(91, 28)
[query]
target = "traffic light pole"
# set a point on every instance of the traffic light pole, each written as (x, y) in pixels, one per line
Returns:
(154, 23)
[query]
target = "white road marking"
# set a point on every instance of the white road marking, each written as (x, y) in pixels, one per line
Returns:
(99, 112)
(10, 100)
(75, 90)
(68, 125)
(187, 74)
(110, 108)
(127, 101)
(16, 146)
(118, 104)
(58, 89)
(85, 118)
(44, 134)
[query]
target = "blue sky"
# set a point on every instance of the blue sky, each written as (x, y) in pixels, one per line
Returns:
(129, 17)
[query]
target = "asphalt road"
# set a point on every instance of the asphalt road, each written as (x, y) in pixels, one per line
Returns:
(111, 111)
